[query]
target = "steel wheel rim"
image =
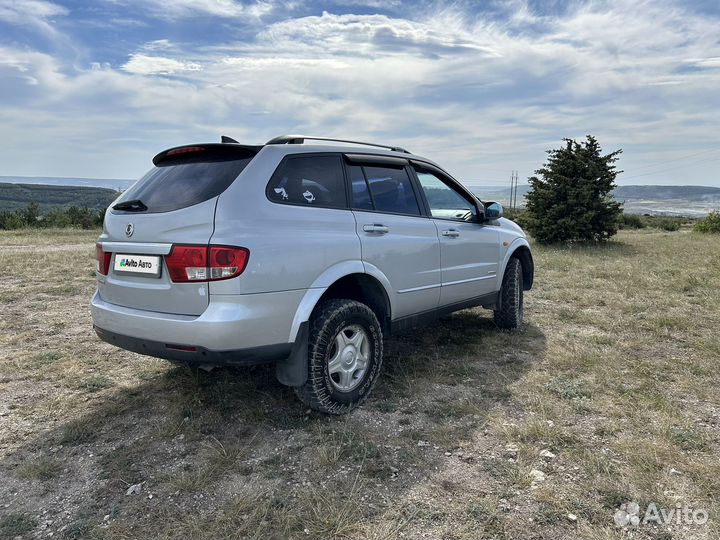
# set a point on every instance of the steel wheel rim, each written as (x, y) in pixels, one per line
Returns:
(348, 358)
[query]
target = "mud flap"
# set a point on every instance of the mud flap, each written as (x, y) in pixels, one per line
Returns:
(496, 304)
(293, 371)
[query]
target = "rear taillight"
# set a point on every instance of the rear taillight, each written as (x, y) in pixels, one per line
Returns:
(205, 263)
(187, 263)
(103, 259)
(227, 261)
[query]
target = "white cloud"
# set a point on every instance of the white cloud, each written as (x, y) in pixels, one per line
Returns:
(20, 11)
(157, 45)
(37, 14)
(215, 8)
(477, 94)
(373, 34)
(143, 64)
(712, 62)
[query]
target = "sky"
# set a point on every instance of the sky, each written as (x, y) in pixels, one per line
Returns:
(95, 89)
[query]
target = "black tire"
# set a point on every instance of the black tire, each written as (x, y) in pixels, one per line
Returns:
(509, 312)
(321, 391)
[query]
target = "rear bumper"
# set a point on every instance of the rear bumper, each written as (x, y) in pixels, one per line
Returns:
(201, 355)
(230, 322)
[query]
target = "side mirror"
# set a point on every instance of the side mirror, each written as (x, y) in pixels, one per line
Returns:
(493, 210)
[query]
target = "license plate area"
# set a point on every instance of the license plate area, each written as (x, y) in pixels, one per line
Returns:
(137, 265)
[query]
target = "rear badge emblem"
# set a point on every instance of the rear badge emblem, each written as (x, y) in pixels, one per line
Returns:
(129, 230)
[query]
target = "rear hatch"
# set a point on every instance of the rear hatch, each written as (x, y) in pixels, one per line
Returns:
(172, 205)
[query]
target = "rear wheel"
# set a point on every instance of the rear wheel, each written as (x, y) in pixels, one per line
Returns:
(509, 312)
(344, 356)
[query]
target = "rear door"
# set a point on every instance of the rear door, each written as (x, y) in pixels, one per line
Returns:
(395, 236)
(469, 250)
(174, 203)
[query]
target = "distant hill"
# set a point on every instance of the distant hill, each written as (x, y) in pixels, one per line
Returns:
(690, 193)
(17, 191)
(687, 193)
(692, 201)
(116, 184)
(15, 196)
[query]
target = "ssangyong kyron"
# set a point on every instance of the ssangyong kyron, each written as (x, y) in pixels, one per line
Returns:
(304, 251)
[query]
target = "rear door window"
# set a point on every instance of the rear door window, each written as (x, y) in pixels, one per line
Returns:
(182, 183)
(309, 181)
(360, 193)
(391, 190)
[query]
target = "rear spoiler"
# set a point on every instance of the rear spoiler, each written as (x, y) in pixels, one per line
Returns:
(209, 151)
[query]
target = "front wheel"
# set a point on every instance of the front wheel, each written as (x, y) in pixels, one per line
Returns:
(509, 312)
(344, 356)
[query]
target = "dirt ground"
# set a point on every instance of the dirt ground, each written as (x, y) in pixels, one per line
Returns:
(608, 397)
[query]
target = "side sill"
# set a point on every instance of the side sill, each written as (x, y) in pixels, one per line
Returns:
(488, 301)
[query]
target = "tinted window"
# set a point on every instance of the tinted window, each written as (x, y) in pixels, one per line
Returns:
(391, 190)
(310, 181)
(175, 186)
(360, 195)
(444, 201)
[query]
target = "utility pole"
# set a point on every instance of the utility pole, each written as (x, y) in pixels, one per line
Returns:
(513, 189)
(512, 185)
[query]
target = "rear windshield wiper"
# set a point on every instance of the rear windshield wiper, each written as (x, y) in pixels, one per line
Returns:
(134, 205)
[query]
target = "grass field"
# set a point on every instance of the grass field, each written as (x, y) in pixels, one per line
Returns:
(610, 395)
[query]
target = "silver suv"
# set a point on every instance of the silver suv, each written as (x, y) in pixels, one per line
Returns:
(305, 255)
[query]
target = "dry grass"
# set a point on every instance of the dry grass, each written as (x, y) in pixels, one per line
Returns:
(616, 375)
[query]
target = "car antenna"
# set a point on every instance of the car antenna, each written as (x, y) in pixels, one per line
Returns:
(226, 139)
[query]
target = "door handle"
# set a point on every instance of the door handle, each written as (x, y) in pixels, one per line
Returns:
(376, 228)
(452, 233)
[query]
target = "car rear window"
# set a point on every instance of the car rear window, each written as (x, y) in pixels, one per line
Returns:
(391, 190)
(181, 183)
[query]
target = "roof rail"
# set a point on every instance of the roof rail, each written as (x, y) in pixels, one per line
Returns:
(300, 139)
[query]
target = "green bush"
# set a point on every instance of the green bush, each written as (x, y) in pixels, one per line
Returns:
(517, 215)
(631, 221)
(12, 220)
(30, 216)
(668, 224)
(709, 224)
(665, 223)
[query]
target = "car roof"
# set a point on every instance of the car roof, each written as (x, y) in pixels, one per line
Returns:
(287, 149)
(299, 144)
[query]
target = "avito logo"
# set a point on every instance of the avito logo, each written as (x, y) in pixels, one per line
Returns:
(130, 263)
(125, 263)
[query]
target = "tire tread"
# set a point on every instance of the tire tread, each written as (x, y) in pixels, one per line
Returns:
(314, 392)
(509, 313)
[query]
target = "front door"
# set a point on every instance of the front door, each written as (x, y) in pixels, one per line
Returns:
(469, 250)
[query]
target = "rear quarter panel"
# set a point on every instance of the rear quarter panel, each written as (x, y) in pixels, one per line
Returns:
(290, 246)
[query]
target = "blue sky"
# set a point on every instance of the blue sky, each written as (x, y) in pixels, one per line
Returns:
(96, 89)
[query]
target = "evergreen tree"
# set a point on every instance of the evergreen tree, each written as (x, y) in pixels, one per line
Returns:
(571, 198)
(31, 213)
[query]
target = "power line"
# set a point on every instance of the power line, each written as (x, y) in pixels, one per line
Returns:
(669, 169)
(701, 152)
